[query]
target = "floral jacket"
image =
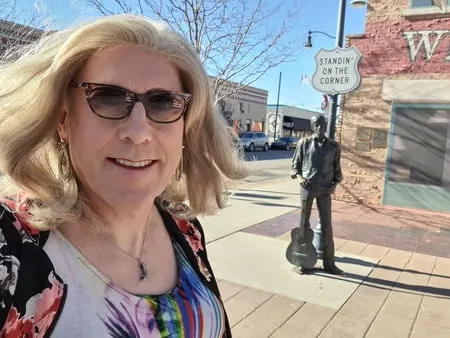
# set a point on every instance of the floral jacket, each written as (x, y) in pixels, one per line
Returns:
(32, 294)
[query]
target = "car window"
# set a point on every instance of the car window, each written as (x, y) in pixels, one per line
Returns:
(247, 135)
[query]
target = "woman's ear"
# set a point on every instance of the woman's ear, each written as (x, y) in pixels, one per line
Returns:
(62, 126)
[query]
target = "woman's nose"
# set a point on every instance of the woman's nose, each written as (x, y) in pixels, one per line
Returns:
(136, 126)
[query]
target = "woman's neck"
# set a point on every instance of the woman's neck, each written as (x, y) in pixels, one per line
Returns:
(124, 230)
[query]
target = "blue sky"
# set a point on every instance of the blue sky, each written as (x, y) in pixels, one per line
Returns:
(315, 15)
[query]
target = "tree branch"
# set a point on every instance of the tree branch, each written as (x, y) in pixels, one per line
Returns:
(237, 40)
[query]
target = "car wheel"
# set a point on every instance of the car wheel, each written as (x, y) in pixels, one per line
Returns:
(252, 147)
(266, 147)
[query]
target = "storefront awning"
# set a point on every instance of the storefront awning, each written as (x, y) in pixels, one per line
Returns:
(296, 123)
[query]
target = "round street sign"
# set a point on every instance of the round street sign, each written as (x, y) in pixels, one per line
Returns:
(337, 70)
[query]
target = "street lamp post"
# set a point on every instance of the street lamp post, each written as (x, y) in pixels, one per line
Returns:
(331, 125)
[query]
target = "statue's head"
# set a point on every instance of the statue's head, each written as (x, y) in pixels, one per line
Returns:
(318, 125)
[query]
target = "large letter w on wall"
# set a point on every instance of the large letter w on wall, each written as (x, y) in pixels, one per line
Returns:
(424, 41)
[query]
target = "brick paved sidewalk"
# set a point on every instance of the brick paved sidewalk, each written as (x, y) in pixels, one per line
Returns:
(421, 232)
(406, 295)
(390, 216)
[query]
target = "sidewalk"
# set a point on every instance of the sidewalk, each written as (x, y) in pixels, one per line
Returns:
(397, 282)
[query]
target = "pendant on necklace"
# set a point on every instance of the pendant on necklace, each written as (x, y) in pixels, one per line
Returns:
(142, 270)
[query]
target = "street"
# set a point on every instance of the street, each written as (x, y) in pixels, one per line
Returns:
(268, 192)
(268, 155)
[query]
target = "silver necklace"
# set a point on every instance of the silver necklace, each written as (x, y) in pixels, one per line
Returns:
(141, 264)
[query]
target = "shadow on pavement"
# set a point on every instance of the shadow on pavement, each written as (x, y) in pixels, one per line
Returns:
(247, 197)
(250, 195)
(357, 261)
(382, 283)
(276, 205)
(269, 192)
(268, 155)
(354, 261)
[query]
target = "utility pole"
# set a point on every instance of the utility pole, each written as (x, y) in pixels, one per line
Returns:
(276, 112)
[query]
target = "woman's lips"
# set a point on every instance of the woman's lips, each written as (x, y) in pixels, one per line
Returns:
(132, 164)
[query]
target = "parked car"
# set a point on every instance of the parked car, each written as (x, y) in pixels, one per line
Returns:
(254, 140)
(284, 143)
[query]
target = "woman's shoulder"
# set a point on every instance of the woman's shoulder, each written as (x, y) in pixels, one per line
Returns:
(9, 223)
(15, 227)
(189, 231)
(179, 212)
(18, 211)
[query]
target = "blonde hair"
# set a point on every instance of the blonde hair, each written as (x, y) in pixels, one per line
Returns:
(35, 81)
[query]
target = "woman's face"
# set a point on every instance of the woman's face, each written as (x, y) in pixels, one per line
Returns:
(124, 162)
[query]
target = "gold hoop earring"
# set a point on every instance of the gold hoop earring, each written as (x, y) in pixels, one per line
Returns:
(64, 160)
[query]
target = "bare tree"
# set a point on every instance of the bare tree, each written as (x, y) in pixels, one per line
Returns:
(226, 110)
(237, 40)
(19, 26)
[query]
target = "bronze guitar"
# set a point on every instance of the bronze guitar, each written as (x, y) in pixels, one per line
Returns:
(300, 251)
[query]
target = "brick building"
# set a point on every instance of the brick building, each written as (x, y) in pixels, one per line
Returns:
(395, 130)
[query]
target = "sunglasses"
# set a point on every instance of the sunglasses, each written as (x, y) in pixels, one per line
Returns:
(116, 103)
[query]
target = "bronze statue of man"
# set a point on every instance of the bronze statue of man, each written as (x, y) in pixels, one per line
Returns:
(316, 164)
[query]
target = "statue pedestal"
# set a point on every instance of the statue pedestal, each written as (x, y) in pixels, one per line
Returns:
(317, 240)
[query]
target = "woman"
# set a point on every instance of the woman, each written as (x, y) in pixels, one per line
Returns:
(105, 130)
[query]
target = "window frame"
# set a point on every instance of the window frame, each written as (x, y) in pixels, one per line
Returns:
(425, 12)
(411, 4)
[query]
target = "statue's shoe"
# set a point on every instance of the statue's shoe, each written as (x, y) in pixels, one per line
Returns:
(334, 270)
(304, 271)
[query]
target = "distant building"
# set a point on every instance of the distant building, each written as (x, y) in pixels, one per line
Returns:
(290, 121)
(248, 107)
(13, 34)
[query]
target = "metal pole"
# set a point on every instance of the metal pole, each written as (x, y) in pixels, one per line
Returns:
(276, 112)
(331, 127)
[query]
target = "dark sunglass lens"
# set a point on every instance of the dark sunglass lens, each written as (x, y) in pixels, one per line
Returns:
(110, 102)
(164, 107)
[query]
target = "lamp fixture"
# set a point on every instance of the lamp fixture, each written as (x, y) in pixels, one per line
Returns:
(358, 3)
(308, 43)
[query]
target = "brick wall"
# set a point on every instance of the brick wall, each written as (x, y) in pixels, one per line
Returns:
(385, 10)
(386, 51)
(385, 56)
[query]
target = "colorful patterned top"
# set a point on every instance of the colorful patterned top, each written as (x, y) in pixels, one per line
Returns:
(36, 300)
(94, 307)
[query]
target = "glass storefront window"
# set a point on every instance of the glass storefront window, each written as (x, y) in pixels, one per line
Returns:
(418, 170)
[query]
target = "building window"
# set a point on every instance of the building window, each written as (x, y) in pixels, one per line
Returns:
(418, 170)
(241, 107)
(426, 3)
